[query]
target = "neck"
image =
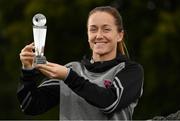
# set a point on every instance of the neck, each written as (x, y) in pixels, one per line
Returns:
(105, 57)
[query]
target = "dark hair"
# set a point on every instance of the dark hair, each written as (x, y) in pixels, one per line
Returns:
(113, 12)
(118, 22)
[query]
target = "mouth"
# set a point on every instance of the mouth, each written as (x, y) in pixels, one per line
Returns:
(100, 42)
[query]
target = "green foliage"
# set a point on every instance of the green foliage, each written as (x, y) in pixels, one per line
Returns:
(152, 37)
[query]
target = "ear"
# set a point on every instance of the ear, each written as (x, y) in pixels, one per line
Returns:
(120, 36)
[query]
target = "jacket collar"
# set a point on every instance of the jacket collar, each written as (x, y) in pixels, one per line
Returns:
(102, 66)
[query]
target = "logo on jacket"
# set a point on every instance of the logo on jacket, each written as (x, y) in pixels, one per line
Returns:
(107, 83)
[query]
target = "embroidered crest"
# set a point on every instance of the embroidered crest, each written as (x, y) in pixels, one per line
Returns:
(107, 83)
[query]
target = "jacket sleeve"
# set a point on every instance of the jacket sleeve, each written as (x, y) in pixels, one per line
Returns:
(125, 89)
(36, 99)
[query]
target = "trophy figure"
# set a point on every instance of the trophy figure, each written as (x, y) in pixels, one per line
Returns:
(39, 33)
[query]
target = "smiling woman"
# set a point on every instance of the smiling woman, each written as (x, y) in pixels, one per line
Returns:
(103, 36)
(105, 86)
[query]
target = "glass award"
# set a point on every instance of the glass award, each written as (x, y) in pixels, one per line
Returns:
(39, 34)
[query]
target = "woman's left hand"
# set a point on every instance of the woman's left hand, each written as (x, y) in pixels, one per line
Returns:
(53, 70)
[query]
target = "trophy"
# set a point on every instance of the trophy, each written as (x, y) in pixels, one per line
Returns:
(39, 33)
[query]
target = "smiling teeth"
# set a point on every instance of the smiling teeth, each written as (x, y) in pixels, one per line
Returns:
(99, 42)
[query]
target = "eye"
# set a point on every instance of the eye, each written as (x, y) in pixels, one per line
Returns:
(106, 30)
(93, 30)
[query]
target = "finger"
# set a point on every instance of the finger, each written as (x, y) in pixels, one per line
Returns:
(46, 73)
(27, 54)
(29, 47)
(45, 67)
(47, 64)
(51, 64)
(27, 58)
(32, 44)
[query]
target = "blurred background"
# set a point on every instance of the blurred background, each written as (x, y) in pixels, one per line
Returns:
(152, 30)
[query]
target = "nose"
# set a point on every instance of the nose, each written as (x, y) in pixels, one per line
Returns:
(99, 35)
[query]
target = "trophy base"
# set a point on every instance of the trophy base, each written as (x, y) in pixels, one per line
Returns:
(40, 60)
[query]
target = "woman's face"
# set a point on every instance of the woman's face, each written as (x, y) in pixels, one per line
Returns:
(102, 34)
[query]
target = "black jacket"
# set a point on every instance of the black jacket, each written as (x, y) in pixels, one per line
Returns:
(107, 89)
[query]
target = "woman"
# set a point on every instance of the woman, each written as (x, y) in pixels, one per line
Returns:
(105, 87)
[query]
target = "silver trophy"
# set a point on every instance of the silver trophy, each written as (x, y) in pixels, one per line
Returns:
(39, 33)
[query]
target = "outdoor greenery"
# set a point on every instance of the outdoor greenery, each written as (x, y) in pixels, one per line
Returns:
(152, 30)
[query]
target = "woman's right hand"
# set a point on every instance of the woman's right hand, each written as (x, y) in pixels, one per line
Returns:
(27, 56)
